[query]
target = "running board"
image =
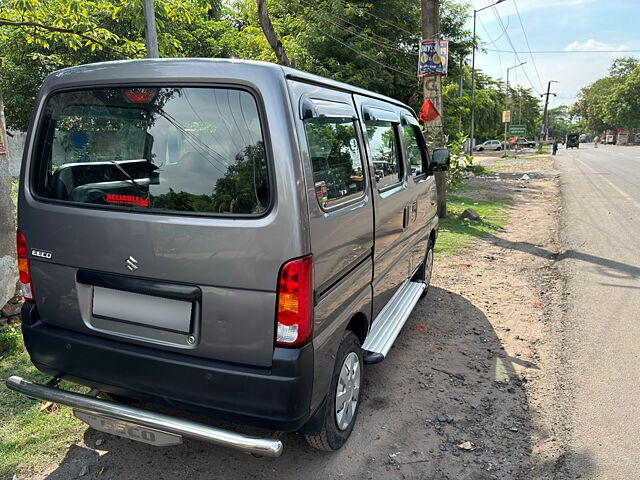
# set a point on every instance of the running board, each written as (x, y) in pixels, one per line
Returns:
(390, 321)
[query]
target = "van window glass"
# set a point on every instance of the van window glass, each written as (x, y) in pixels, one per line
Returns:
(383, 145)
(415, 154)
(337, 165)
(168, 149)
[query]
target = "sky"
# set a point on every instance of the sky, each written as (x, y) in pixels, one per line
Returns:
(592, 27)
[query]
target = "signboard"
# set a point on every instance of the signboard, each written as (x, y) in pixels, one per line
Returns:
(433, 60)
(518, 130)
(506, 116)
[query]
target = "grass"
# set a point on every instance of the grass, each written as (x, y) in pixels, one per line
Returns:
(456, 233)
(30, 438)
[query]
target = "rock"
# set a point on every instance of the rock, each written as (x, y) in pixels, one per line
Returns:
(15, 299)
(525, 177)
(443, 447)
(471, 214)
(468, 446)
(83, 471)
(11, 309)
(14, 320)
(99, 442)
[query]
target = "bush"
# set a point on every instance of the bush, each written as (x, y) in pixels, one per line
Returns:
(10, 339)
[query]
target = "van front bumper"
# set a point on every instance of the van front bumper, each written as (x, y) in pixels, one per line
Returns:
(277, 398)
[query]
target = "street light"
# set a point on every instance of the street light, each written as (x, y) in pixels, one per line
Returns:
(473, 77)
(506, 102)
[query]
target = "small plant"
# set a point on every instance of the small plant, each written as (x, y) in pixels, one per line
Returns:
(461, 163)
(10, 339)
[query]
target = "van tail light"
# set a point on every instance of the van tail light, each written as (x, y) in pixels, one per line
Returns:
(23, 267)
(294, 313)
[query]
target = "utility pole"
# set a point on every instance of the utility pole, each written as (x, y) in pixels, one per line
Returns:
(8, 266)
(473, 75)
(432, 85)
(506, 104)
(270, 33)
(151, 37)
(543, 130)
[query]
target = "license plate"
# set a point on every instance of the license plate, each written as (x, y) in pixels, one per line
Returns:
(129, 430)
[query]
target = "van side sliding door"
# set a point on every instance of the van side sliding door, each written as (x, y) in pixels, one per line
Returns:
(340, 215)
(380, 123)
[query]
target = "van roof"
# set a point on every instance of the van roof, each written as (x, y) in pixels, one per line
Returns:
(190, 69)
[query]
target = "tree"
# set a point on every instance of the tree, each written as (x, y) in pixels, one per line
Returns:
(611, 102)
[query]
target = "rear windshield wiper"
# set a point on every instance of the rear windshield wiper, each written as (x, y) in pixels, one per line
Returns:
(129, 177)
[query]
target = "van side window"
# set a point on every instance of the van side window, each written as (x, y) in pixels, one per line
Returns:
(414, 149)
(337, 164)
(383, 144)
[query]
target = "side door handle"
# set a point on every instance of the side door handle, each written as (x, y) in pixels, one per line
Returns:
(405, 217)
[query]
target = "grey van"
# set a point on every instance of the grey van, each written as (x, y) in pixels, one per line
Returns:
(224, 237)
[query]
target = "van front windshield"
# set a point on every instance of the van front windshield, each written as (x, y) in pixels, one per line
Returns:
(168, 149)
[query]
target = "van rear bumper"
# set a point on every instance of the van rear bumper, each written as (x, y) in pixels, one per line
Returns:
(276, 398)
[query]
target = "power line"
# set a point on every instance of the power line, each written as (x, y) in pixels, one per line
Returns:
(499, 18)
(362, 10)
(544, 52)
(346, 29)
(487, 32)
(526, 39)
(358, 52)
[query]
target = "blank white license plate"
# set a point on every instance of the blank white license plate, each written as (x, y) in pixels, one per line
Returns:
(147, 310)
(129, 430)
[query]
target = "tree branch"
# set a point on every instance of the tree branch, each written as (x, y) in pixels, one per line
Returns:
(49, 28)
(270, 33)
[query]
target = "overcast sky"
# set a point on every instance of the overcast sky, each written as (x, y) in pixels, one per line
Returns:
(593, 26)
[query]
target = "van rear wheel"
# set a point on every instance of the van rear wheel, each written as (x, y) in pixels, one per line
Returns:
(343, 399)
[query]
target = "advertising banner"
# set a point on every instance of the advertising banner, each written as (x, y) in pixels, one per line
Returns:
(433, 58)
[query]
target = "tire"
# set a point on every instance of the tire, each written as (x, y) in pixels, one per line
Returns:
(480, 149)
(423, 274)
(498, 149)
(347, 377)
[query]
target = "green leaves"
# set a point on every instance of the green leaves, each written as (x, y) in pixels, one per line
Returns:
(612, 102)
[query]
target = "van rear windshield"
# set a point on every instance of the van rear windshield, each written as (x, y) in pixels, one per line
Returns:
(154, 149)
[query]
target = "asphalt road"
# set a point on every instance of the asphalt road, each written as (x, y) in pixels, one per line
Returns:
(601, 233)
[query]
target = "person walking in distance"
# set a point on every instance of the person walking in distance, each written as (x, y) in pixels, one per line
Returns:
(596, 141)
(555, 146)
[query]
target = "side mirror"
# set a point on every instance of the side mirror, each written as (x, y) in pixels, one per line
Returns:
(440, 159)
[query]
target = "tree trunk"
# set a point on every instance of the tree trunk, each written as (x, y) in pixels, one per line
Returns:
(8, 267)
(270, 33)
(433, 89)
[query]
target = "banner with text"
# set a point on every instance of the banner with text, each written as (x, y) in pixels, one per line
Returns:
(433, 58)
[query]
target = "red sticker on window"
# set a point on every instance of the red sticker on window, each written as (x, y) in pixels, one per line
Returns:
(127, 200)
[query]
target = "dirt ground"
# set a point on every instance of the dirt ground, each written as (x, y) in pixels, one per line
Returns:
(474, 363)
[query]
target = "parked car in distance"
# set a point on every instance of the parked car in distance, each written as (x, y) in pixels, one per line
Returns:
(239, 240)
(523, 142)
(489, 145)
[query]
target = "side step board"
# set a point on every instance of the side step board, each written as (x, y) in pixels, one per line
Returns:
(390, 321)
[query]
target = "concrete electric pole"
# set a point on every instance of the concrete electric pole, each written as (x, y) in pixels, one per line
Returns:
(433, 90)
(545, 127)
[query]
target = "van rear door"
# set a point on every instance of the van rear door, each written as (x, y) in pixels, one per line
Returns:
(157, 205)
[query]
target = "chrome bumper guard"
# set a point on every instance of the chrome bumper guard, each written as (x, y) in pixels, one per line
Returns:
(265, 447)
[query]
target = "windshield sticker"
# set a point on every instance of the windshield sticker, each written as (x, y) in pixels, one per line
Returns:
(127, 200)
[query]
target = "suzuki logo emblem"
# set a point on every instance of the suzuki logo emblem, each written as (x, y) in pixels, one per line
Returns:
(131, 263)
